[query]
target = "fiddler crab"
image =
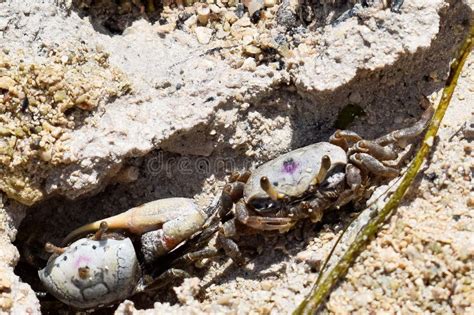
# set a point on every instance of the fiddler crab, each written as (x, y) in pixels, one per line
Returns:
(301, 184)
(102, 269)
(306, 182)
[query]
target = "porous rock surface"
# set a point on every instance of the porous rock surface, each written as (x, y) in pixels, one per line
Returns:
(176, 88)
(188, 100)
(16, 297)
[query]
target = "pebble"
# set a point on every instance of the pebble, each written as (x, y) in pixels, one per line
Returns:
(216, 9)
(252, 50)
(203, 34)
(6, 304)
(269, 3)
(266, 285)
(5, 285)
(249, 65)
(64, 59)
(468, 129)
(46, 154)
(6, 83)
(230, 17)
(225, 300)
(355, 97)
(165, 28)
(253, 5)
(191, 21)
(247, 40)
(470, 202)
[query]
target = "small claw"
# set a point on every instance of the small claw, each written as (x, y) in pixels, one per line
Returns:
(269, 224)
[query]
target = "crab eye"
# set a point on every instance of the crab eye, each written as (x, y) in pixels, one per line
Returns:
(262, 205)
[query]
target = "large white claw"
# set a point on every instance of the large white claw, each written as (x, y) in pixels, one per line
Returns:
(92, 273)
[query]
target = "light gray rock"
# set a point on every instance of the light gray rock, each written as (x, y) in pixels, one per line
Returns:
(178, 85)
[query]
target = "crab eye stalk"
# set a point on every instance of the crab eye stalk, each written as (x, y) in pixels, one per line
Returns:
(104, 226)
(325, 165)
(83, 272)
(269, 189)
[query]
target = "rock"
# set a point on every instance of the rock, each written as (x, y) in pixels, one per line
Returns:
(253, 6)
(203, 34)
(468, 129)
(230, 17)
(287, 14)
(269, 3)
(6, 83)
(16, 297)
(252, 50)
(249, 64)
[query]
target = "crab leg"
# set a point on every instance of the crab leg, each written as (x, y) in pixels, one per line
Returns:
(207, 252)
(379, 152)
(374, 166)
(402, 136)
(353, 177)
(342, 137)
(239, 177)
(158, 242)
(230, 248)
(163, 280)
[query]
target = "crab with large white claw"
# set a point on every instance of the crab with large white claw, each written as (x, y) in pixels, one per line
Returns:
(308, 181)
(104, 268)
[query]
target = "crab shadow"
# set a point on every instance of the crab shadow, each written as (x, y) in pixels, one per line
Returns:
(113, 17)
